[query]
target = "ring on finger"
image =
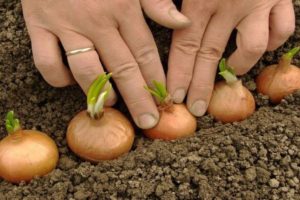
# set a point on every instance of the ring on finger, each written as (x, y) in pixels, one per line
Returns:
(78, 51)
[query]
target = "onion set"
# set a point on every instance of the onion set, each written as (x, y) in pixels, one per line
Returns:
(25, 154)
(99, 133)
(280, 80)
(230, 100)
(175, 120)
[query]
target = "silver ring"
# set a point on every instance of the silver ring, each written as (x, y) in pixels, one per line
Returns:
(78, 51)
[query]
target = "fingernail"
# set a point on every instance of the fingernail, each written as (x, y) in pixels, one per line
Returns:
(179, 95)
(198, 108)
(111, 99)
(146, 121)
(175, 14)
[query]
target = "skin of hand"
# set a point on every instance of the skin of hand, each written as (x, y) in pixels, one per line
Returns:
(195, 51)
(123, 42)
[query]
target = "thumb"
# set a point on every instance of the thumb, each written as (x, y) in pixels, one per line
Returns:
(165, 13)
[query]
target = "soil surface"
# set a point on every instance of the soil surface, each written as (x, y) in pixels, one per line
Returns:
(258, 158)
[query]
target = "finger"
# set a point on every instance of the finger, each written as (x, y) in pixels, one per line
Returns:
(47, 57)
(165, 13)
(252, 41)
(213, 44)
(140, 41)
(282, 23)
(129, 80)
(84, 66)
(184, 47)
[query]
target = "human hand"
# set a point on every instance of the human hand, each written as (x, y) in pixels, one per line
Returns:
(122, 40)
(196, 50)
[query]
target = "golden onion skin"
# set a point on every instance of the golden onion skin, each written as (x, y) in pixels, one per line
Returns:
(100, 139)
(231, 102)
(277, 82)
(175, 123)
(26, 154)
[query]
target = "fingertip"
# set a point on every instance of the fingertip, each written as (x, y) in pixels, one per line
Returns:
(147, 120)
(199, 95)
(165, 13)
(282, 24)
(48, 59)
(180, 20)
(179, 95)
(60, 83)
(54, 73)
(198, 108)
(112, 99)
(272, 47)
(238, 69)
(242, 71)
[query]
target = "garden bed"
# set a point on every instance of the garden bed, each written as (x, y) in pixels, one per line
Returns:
(258, 158)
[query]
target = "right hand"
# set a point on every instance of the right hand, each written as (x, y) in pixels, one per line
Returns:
(195, 51)
(123, 43)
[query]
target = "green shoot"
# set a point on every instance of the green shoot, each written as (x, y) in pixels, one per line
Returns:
(286, 59)
(97, 95)
(159, 90)
(227, 72)
(289, 55)
(12, 124)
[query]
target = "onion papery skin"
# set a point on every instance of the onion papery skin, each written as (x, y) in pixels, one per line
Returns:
(100, 139)
(277, 82)
(175, 122)
(231, 102)
(26, 154)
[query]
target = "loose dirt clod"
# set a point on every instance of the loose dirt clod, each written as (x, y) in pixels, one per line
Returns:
(258, 158)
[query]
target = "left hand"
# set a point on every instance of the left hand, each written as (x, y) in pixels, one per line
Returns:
(110, 33)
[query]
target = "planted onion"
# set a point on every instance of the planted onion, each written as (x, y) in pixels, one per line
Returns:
(175, 120)
(25, 154)
(99, 133)
(280, 80)
(230, 100)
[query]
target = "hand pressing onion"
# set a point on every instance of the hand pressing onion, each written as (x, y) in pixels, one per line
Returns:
(280, 80)
(25, 154)
(175, 120)
(99, 133)
(230, 100)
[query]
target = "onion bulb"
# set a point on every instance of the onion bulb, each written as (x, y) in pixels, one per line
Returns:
(280, 80)
(99, 133)
(230, 100)
(175, 120)
(25, 154)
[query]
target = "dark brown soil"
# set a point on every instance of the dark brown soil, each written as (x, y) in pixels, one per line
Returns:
(258, 158)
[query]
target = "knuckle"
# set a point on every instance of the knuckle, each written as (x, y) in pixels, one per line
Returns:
(46, 66)
(210, 52)
(203, 89)
(44, 62)
(146, 55)
(202, 86)
(125, 71)
(86, 72)
(134, 103)
(125, 5)
(188, 45)
(182, 74)
(122, 3)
